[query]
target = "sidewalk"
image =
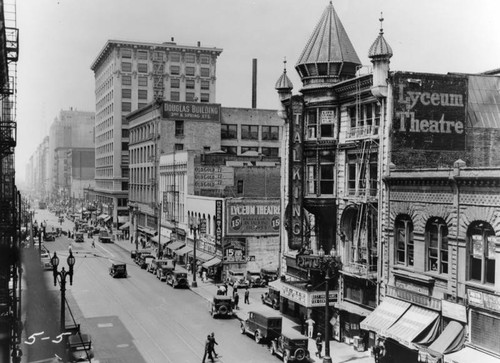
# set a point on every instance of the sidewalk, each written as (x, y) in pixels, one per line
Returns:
(340, 352)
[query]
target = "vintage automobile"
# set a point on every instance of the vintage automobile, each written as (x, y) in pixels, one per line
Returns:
(50, 233)
(262, 325)
(143, 260)
(271, 298)
(79, 237)
(236, 278)
(268, 275)
(254, 280)
(118, 270)
(177, 279)
(221, 306)
(135, 253)
(80, 348)
(104, 236)
(45, 259)
(161, 268)
(291, 347)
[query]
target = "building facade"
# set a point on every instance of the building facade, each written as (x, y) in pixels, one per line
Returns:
(129, 76)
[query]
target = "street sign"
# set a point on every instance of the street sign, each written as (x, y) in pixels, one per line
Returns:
(310, 262)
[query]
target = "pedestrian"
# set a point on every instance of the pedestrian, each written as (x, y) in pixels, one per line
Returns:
(208, 350)
(204, 276)
(93, 243)
(235, 290)
(319, 345)
(236, 299)
(225, 288)
(310, 327)
(247, 295)
(212, 344)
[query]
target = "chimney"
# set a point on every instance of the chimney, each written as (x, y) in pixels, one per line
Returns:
(199, 43)
(172, 39)
(254, 83)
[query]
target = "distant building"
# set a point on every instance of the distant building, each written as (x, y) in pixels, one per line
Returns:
(128, 76)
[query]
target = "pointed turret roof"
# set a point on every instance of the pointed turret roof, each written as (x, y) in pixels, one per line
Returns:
(380, 49)
(328, 50)
(283, 83)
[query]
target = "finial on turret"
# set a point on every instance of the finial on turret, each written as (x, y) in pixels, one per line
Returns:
(284, 64)
(381, 21)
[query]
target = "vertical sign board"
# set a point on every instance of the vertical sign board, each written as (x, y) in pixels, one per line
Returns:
(218, 222)
(253, 217)
(429, 111)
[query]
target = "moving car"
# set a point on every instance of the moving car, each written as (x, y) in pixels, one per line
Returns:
(177, 279)
(291, 347)
(79, 237)
(118, 270)
(104, 236)
(262, 325)
(80, 348)
(271, 298)
(221, 306)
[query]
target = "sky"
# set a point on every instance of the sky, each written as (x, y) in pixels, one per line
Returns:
(59, 40)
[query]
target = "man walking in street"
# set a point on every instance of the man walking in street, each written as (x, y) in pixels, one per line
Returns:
(208, 350)
(236, 299)
(212, 344)
(247, 296)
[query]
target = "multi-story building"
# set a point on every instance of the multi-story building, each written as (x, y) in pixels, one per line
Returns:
(128, 76)
(415, 201)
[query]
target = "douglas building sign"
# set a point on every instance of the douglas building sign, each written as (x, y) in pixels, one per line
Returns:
(429, 111)
(191, 111)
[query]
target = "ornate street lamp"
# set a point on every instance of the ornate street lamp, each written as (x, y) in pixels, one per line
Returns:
(194, 224)
(63, 274)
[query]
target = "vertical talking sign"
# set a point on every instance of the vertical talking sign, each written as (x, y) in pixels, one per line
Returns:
(429, 111)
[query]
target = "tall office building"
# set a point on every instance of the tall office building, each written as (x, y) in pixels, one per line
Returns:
(128, 76)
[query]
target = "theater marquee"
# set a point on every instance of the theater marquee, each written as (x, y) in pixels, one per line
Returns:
(429, 111)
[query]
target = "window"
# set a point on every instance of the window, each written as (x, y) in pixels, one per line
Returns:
(190, 96)
(175, 57)
(126, 53)
(179, 147)
(311, 178)
(126, 93)
(249, 132)
(204, 59)
(175, 83)
(179, 128)
(403, 240)
(231, 150)
(311, 125)
(270, 133)
(205, 72)
(143, 81)
(205, 97)
(158, 56)
(326, 171)
(244, 149)
(190, 58)
(239, 186)
(481, 250)
(175, 70)
(327, 123)
(142, 54)
(142, 67)
(189, 71)
(126, 80)
(126, 106)
(365, 120)
(174, 96)
(142, 94)
(362, 173)
(126, 67)
(189, 83)
(436, 232)
(205, 85)
(229, 131)
(270, 151)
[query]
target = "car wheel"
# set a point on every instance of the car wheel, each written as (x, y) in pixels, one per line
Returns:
(257, 337)
(242, 328)
(300, 354)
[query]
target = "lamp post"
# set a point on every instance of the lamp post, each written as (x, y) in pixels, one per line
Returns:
(330, 265)
(193, 226)
(63, 274)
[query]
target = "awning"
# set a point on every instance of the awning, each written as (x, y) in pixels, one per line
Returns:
(451, 339)
(213, 262)
(352, 308)
(147, 230)
(468, 355)
(183, 250)
(202, 256)
(414, 321)
(385, 315)
(175, 245)
(107, 218)
(102, 216)
(124, 226)
(164, 239)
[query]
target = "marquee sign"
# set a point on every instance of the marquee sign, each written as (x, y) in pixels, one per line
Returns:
(191, 111)
(429, 111)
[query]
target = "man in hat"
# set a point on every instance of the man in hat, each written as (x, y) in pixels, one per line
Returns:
(319, 345)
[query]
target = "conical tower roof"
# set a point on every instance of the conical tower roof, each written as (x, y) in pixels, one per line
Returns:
(380, 49)
(329, 53)
(283, 83)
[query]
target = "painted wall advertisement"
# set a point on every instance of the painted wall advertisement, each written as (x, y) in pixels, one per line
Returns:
(191, 111)
(247, 217)
(213, 177)
(234, 250)
(429, 111)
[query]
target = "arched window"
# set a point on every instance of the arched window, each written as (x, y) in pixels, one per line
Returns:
(436, 232)
(403, 240)
(481, 250)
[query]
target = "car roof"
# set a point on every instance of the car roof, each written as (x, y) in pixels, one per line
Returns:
(266, 313)
(293, 334)
(222, 297)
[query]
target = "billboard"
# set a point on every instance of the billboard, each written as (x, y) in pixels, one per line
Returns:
(191, 111)
(429, 111)
(253, 217)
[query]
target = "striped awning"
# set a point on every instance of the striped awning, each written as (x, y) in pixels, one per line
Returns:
(385, 315)
(202, 256)
(213, 262)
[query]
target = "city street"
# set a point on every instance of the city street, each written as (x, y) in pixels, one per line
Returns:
(140, 319)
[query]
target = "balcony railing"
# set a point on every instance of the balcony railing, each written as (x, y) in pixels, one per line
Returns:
(360, 269)
(362, 131)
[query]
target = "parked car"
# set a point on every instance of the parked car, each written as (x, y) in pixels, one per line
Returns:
(104, 236)
(236, 278)
(177, 279)
(80, 348)
(268, 275)
(291, 347)
(79, 237)
(143, 260)
(45, 259)
(254, 280)
(135, 253)
(118, 270)
(262, 325)
(161, 268)
(271, 298)
(221, 306)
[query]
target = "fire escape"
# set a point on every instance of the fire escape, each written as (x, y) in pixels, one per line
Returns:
(10, 199)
